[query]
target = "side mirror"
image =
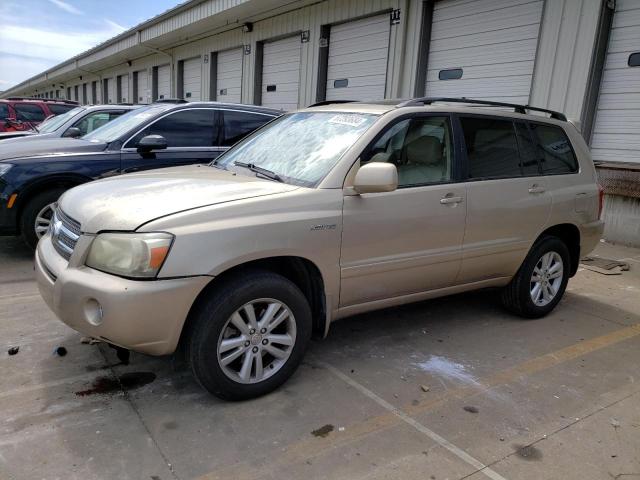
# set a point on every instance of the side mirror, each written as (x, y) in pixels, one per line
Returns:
(376, 178)
(152, 142)
(72, 132)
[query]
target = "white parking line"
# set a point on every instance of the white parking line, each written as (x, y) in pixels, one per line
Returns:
(458, 452)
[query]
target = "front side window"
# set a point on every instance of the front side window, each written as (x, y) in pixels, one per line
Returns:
(557, 157)
(29, 112)
(420, 148)
(492, 148)
(127, 123)
(300, 148)
(53, 123)
(184, 128)
(238, 124)
(95, 120)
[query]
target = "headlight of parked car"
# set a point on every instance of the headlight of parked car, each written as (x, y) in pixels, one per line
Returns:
(4, 168)
(138, 255)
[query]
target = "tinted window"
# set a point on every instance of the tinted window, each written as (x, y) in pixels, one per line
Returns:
(238, 124)
(556, 154)
(29, 113)
(4, 111)
(451, 74)
(634, 60)
(420, 148)
(527, 149)
(492, 148)
(57, 109)
(186, 128)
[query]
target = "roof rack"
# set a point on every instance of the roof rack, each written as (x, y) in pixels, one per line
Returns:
(46, 100)
(330, 102)
(517, 108)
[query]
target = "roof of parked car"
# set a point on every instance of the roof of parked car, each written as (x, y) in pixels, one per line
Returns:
(234, 106)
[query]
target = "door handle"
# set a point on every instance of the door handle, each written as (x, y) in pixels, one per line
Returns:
(449, 200)
(537, 189)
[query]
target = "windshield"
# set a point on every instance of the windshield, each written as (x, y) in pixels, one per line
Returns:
(121, 125)
(55, 122)
(300, 147)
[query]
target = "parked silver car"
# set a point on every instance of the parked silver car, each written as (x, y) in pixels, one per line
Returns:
(323, 213)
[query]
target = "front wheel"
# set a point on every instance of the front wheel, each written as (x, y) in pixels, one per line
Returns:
(249, 335)
(37, 214)
(541, 281)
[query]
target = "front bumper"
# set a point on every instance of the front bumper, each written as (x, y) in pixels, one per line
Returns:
(145, 316)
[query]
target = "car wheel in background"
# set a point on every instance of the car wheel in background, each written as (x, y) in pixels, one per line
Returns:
(249, 335)
(541, 280)
(36, 216)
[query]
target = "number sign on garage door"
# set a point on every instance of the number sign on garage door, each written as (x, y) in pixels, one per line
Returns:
(229, 76)
(281, 73)
(192, 79)
(357, 65)
(483, 49)
(616, 133)
(164, 84)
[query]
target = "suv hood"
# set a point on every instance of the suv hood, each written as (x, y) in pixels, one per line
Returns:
(128, 201)
(47, 146)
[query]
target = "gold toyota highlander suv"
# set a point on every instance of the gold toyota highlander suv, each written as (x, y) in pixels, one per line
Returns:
(326, 212)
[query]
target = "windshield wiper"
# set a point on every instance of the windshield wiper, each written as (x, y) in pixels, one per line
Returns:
(260, 171)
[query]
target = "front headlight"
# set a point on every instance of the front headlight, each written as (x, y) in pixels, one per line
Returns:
(138, 255)
(4, 168)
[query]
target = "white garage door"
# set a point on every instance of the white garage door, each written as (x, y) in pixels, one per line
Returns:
(616, 133)
(483, 49)
(281, 73)
(192, 79)
(229, 76)
(111, 91)
(358, 52)
(164, 85)
(142, 88)
(124, 89)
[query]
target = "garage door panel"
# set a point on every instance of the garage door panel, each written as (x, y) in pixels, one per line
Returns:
(281, 70)
(616, 101)
(611, 122)
(528, 32)
(164, 84)
(626, 18)
(192, 79)
(229, 75)
(516, 16)
(488, 71)
(142, 87)
(358, 54)
(485, 88)
(124, 89)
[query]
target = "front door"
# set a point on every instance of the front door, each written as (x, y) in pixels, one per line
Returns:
(409, 240)
(192, 137)
(508, 202)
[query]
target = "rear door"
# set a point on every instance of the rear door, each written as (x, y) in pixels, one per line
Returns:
(508, 200)
(192, 137)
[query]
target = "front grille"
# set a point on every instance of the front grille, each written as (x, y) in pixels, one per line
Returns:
(65, 232)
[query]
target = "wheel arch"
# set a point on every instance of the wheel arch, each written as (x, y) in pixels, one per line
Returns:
(570, 235)
(301, 271)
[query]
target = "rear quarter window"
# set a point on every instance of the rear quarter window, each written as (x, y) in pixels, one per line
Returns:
(556, 154)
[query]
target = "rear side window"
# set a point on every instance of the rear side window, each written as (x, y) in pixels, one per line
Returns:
(57, 109)
(185, 128)
(28, 112)
(492, 148)
(239, 124)
(556, 156)
(4, 111)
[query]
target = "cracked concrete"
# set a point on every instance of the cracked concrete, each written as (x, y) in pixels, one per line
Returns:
(554, 398)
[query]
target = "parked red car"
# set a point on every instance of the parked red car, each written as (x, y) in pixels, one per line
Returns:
(24, 113)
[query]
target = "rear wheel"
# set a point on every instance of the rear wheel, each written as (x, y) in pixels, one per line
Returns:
(37, 214)
(249, 335)
(541, 281)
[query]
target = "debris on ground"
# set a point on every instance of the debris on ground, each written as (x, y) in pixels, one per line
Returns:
(615, 423)
(13, 350)
(323, 431)
(604, 266)
(424, 388)
(60, 351)
(89, 340)
(470, 409)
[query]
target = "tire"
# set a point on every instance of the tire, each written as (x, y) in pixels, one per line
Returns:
(518, 296)
(31, 212)
(215, 319)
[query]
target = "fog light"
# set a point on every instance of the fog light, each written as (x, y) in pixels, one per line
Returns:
(93, 312)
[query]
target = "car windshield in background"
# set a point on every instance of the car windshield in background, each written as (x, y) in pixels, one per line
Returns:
(53, 123)
(121, 125)
(300, 148)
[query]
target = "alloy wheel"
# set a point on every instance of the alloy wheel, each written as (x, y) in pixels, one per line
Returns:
(43, 220)
(546, 278)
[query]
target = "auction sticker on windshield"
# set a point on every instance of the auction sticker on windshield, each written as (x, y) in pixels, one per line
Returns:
(348, 119)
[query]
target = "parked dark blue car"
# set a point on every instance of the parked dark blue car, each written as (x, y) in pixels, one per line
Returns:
(34, 174)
